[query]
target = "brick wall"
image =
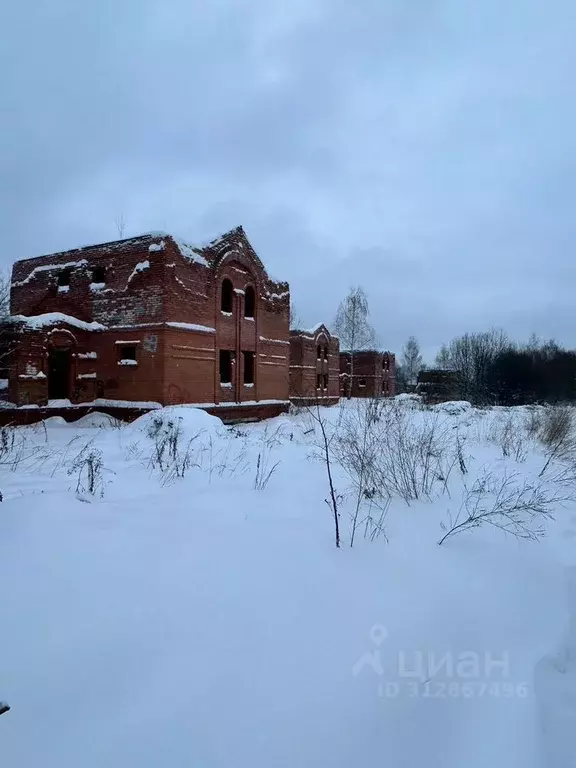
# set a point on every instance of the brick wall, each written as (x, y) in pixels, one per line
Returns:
(149, 292)
(189, 360)
(131, 293)
(374, 374)
(314, 366)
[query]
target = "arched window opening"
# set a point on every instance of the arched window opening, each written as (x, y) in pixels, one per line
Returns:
(227, 294)
(249, 301)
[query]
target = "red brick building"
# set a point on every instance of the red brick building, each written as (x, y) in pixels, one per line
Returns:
(373, 374)
(151, 319)
(314, 366)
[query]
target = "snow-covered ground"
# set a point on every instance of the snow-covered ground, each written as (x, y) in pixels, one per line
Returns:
(203, 621)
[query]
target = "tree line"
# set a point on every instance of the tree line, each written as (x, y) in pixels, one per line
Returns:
(493, 370)
(488, 367)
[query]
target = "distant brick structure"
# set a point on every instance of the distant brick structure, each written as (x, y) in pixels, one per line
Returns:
(438, 386)
(149, 319)
(314, 366)
(374, 374)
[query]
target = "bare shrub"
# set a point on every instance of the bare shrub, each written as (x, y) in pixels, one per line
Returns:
(373, 521)
(180, 461)
(506, 502)
(383, 448)
(557, 425)
(533, 421)
(389, 450)
(508, 434)
(557, 434)
(7, 441)
(264, 466)
(354, 448)
(166, 434)
(227, 459)
(460, 455)
(263, 472)
(170, 455)
(63, 457)
(18, 451)
(134, 451)
(89, 467)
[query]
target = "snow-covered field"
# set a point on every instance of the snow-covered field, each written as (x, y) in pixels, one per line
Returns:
(202, 621)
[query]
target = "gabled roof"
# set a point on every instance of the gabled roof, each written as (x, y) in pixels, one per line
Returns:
(312, 333)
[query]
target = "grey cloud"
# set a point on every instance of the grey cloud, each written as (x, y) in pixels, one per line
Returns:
(425, 149)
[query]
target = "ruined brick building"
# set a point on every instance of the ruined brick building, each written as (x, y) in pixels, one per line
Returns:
(438, 386)
(150, 318)
(314, 366)
(373, 374)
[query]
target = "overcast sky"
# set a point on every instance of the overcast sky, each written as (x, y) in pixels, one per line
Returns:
(424, 149)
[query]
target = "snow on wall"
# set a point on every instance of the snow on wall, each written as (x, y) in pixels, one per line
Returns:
(38, 375)
(274, 341)
(189, 252)
(140, 267)
(51, 318)
(49, 268)
(191, 327)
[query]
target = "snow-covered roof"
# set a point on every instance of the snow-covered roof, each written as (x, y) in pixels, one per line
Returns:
(310, 333)
(190, 252)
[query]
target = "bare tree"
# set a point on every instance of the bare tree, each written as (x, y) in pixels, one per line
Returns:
(323, 437)
(401, 379)
(4, 294)
(443, 360)
(294, 319)
(411, 360)
(120, 223)
(352, 327)
(324, 445)
(471, 356)
(6, 331)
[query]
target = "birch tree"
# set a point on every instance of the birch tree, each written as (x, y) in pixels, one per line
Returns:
(411, 360)
(352, 327)
(4, 294)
